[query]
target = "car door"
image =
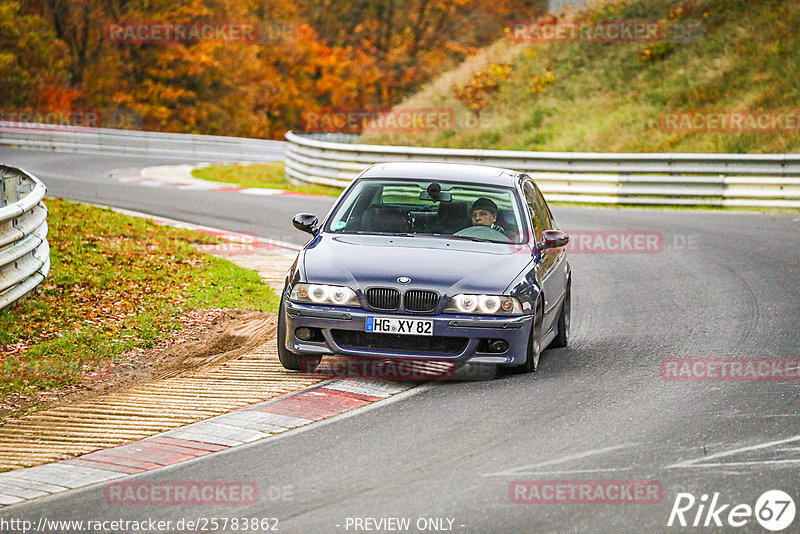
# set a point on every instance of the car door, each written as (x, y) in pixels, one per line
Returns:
(553, 265)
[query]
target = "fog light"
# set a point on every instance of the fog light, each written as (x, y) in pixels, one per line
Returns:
(303, 333)
(497, 346)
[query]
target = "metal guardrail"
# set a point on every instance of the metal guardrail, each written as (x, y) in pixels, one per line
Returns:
(24, 252)
(768, 180)
(131, 142)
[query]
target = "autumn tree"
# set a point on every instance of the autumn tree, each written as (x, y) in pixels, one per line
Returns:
(33, 65)
(413, 40)
(310, 54)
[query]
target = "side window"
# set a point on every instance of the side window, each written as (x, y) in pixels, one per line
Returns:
(533, 208)
(542, 210)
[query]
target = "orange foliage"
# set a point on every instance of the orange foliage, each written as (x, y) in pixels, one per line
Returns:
(482, 88)
(308, 55)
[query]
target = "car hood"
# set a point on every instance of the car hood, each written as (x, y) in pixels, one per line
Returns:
(449, 266)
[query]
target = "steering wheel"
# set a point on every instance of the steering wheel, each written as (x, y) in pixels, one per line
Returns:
(483, 232)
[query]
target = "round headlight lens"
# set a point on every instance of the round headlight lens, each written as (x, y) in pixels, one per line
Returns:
(489, 303)
(318, 293)
(339, 295)
(467, 303)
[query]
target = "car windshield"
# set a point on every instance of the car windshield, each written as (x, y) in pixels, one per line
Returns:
(435, 208)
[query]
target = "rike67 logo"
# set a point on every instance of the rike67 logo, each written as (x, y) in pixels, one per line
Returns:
(774, 510)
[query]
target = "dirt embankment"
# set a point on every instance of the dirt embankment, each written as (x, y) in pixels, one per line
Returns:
(207, 337)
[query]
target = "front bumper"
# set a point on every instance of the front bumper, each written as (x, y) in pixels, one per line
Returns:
(456, 338)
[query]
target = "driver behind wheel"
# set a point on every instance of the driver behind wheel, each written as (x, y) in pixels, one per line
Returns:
(484, 213)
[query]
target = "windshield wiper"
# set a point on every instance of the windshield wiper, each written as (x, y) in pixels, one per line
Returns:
(469, 238)
(386, 234)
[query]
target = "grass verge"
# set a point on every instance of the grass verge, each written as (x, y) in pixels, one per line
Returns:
(266, 175)
(116, 283)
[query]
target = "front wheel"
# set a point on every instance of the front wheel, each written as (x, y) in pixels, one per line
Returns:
(534, 344)
(291, 360)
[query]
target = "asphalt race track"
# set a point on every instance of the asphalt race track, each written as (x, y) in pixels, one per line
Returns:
(85, 178)
(725, 285)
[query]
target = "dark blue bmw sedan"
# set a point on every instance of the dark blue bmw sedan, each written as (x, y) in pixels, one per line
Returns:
(429, 261)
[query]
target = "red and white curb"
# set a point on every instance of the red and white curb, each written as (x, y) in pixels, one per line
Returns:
(246, 425)
(180, 177)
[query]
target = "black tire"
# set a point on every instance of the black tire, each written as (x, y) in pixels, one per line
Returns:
(291, 360)
(534, 343)
(562, 338)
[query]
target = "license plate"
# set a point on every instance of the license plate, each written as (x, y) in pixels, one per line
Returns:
(391, 325)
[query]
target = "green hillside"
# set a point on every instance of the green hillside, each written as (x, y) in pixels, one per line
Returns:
(612, 97)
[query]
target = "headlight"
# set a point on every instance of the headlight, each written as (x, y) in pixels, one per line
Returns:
(484, 304)
(324, 294)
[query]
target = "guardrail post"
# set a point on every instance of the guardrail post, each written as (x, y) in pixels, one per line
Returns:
(11, 193)
(3, 199)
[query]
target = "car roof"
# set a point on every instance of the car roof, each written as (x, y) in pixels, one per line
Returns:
(460, 172)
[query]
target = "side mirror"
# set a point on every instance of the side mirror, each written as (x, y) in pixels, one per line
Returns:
(552, 239)
(306, 222)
